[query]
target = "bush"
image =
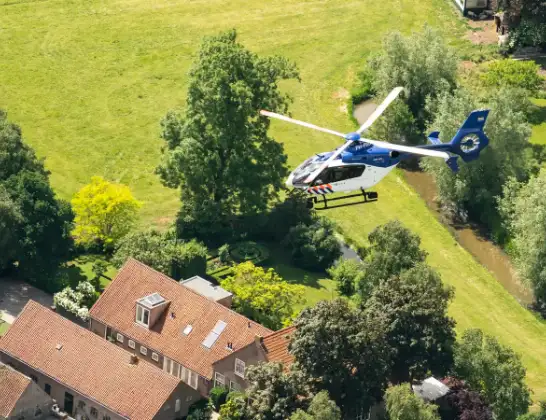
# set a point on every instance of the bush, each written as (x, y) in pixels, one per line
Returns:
(77, 302)
(315, 246)
(218, 396)
(347, 274)
(249, 251)
(528, 34)
(200, 410)
(287, 214)
(223, 253)
(513, 73)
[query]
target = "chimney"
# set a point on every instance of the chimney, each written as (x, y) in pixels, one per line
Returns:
(133, 360)
(258, 339)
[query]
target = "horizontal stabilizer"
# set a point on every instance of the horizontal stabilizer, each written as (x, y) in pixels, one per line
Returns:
(434, 137)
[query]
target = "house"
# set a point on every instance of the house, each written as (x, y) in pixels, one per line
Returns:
(20, 397)
(183, 328)
(86, 375)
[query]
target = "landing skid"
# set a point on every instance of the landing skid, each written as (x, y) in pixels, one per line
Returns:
(322, 201)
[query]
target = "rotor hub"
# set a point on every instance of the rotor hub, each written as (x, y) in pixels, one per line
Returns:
(352, 137)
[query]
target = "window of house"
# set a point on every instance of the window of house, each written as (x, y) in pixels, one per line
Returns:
(106, 418)
(189, 398)
(81, 404)
(119, 337)
(193, 379)
(167, 364)
(47, 389)
(233, 386)
(155, 357)
(94, 412)
(142, 316)
(219, 379)
(34, 378)
(177, 405)
(131, 344)
(239, 368)
(143, 350)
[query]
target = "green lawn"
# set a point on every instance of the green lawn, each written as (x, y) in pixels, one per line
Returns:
(89, 81)
(4, 326)
(539, 130)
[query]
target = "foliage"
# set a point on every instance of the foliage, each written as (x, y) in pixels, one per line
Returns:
(223, 253)
(272, 393)
(342, 352)
(464, 404)
(218, 396)
(321, 408)
(493, 370)
(163, 252)
(403, 404)
(313, 246)
(200, 410)
(262, 295)
(10, 218)
(105, 212)
(528, 33)
(421, 334)
(234, 408)
(288, 213)
(99, 268)
(393, 248)
(541, 415)
(513, 73)
(347, 274)
(249, 251)
(472, 191)
(396, 125)
(422, 63)
(219, 153)
(77, 302)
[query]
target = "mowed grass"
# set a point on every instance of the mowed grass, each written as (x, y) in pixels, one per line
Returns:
(89, 82)
(539, 130)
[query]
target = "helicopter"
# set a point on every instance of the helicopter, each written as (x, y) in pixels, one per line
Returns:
(360, 163)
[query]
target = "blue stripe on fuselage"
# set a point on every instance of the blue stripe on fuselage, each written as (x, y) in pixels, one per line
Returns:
(374, 156)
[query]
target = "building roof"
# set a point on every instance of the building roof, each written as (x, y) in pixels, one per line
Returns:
(206, 288)
(12, 385)
(430, 389)
(116, 308)
(87, 363)
(276, 346)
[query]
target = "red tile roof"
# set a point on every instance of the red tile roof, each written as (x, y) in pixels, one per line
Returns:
(87, 363)
(12, 385)
(117, 305)
(276, 346)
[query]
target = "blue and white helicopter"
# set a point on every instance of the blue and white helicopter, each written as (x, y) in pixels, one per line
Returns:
(361, 163)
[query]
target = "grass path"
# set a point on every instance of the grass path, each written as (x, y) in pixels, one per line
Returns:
(89, 82)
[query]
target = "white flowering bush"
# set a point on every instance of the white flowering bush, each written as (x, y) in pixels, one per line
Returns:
(77, 301)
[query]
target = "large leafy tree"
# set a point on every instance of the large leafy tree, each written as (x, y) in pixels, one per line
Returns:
(540, 415)
(163, 252)
(347, 274)
(321, 408)
(263, 295)
(105, 212)
(10, 218)
(493, 370)
(524, 209)
(342, 352)
(218, 152)
(393, 248)
(464, 404)
(419, 330)
(273, 393)
(402, 404)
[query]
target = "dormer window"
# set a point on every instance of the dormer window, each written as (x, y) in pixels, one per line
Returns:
(142, 316)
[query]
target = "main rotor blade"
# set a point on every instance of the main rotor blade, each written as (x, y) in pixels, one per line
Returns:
(302, 123)
(408, 149)
(322, 167)
(380, 109)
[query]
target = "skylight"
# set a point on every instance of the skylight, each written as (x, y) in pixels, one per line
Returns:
(214, 334)
(153, 300)
(188, 330)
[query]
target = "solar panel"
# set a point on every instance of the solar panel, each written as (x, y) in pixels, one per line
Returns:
(210, 340)
(219, 327)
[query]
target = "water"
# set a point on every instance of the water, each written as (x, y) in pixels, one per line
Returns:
(484, 251)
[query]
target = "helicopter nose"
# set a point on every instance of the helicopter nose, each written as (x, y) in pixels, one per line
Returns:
(289, 181)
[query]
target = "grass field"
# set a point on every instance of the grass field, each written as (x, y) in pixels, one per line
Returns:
(89, 82)
(539, 130)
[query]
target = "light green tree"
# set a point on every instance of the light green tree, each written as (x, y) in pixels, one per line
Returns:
(321, 408)
(403, 404)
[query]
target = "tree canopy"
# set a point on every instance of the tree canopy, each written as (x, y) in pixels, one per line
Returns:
(465, 404)
(419, 331)
(105, 212)
(321, 408)
(403, 404)
(342, 352)
(263, 295)
(493, 370)
(219, 152)
(347, 274)
(163, 252)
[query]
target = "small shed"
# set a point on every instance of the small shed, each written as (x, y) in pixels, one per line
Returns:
(475, 6)
(431, 390)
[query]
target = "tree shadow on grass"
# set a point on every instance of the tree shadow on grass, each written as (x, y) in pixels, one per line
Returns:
(74, 274)
(537, 114)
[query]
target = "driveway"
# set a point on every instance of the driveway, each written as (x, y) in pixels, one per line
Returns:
(14, 295)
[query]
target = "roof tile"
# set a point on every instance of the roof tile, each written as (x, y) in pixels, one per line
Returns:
(12, 385)
(276, 346)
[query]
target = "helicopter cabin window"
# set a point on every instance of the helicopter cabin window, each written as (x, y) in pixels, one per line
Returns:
(340, 173)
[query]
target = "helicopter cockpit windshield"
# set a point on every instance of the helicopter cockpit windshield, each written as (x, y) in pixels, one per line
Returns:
(308, 167)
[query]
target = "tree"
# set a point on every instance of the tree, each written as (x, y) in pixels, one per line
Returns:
(524, 209)
(465, 404)
(541, 415)
(234, 408)
(403, 404)
(10, 218)
(313, 246)
(347, 274)
(321, 408)
(421, 334)
(272, 393)
(163, 252)
(473, 190)
(393, 248)
(219, 153)
(422, 63)
(77, 302)
(494, 371)
(105, 212)
(342, 352)
(262, 295)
